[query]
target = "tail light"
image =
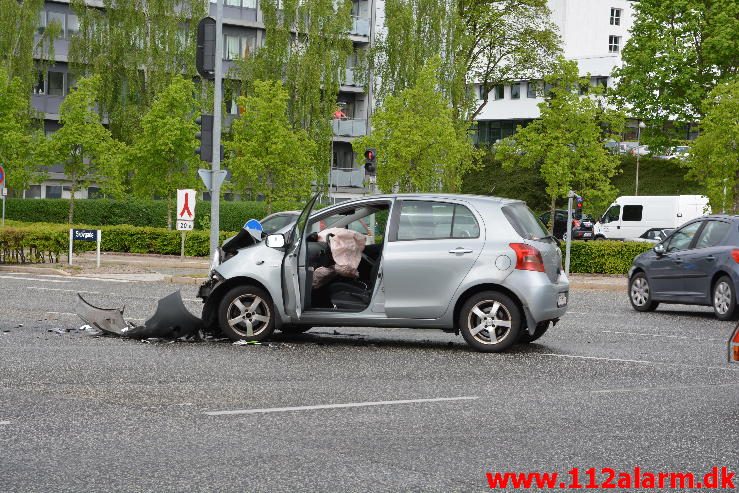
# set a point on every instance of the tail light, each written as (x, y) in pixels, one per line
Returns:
(735, 255)
(734, 346)
(527, 257)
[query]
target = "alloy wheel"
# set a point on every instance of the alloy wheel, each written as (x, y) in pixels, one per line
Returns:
(640, 291)
(248, 314)
(722, 298)
(489, 322)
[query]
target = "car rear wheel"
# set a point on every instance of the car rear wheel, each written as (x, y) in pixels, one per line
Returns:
(724, 299)
(490, 321)
(246, 313)
(640, 293)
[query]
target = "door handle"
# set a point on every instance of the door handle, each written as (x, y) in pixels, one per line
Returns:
(678, 261)
(710, 258)
(460, 250)
(618, 227)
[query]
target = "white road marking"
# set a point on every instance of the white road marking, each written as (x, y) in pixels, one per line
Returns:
(652, 389)
(31, 279)
(60, 289)
(339, 406)
(3, 423)
(63, 313)
(619, 332)
(637, 361)
(83, 278)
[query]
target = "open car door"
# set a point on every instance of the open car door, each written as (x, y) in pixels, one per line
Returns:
(293, 265)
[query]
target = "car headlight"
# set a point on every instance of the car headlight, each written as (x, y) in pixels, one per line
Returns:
(216, 261)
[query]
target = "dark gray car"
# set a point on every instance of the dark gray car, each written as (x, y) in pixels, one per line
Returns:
(698, 264)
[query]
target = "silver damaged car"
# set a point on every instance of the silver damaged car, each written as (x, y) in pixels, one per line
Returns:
(484, 267)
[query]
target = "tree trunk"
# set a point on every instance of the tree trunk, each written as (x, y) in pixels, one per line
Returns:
(71, 198)
(552, 209)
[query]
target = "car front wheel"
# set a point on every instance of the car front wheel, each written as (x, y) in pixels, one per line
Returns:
(246, 313)
(490, 321)
(640, 293)
(724, 299)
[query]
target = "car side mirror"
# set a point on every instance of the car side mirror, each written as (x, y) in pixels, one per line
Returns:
(275, 241)
(659, 249)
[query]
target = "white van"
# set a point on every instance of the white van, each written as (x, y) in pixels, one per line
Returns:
(630, 216)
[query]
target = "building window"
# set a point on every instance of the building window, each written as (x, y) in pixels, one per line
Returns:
(53, 191)
(249, 4)
(57, 17)
(233, 3)
(33, 192)
(614, 44)
(599, 81)
(231, 44)
(532, 89)
(516, 90)
(248, 44)
(482, 91)
(41, 22)
(615, 16)
(498, 91)
(94, 193)
(73, 25)
(71, 83)
(56, 83)
(38, 87)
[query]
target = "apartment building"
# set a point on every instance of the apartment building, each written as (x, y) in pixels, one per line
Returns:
(243, 30)
(593, 34)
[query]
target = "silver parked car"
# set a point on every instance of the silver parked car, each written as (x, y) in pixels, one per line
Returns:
(482, 266)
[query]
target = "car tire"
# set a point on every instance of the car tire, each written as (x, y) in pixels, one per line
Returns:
(488, 313)
(640, 293)
(723, 299)
(541, 328)
(294, 329)
(599, 238)
(246, 313)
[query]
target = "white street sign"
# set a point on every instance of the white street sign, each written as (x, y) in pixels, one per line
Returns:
(185, 225)
(185, 205)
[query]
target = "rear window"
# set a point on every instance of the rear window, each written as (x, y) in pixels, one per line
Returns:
(526, 224)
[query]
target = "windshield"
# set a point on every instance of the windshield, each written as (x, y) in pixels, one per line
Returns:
(526, 224)
(270, 224)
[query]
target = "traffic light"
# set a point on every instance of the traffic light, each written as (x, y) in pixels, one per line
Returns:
(370, 161)
(579, 202)
(205, 136)
(205, 49)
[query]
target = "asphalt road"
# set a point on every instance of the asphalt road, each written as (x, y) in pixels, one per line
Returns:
(607, 387)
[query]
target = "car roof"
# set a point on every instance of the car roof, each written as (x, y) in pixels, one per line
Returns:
(437, 196)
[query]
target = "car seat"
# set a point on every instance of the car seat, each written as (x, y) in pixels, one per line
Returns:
(353, 294)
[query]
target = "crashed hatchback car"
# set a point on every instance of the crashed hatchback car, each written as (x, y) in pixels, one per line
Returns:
(482, 266)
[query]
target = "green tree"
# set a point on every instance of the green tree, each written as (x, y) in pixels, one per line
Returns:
(162, 157)
(268, 156)
(135, 47)
(714, 156)
(678, 51)
(83, 145)
(19, 136)
(489, 42)
(420, 146)
(306, 48)
(567, 143)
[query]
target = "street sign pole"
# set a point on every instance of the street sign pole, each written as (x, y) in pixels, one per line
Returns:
(215, 194)
(100, 238)
(3, 191)
(570, 196)
(71, 245)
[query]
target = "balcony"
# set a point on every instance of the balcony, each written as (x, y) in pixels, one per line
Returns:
(360, 26)
(350, 77)
(349, 128)
(46, 104)
(351, 177)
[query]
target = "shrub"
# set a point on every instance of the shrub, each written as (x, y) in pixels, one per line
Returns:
(604, 257)
(135, 212)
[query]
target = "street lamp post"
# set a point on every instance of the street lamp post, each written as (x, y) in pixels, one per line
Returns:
(638, 153)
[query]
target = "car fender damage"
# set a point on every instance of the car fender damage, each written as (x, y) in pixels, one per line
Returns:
(170, 320)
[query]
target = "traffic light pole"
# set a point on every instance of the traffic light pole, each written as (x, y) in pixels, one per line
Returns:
(215, 193)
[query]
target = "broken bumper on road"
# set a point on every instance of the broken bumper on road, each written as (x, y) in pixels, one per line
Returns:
(170, 320)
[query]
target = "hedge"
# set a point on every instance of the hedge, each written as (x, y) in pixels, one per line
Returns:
(604, 257)
(46, 242)
(136, 212)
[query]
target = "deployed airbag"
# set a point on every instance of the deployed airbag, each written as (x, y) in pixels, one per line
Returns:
(346, 249)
